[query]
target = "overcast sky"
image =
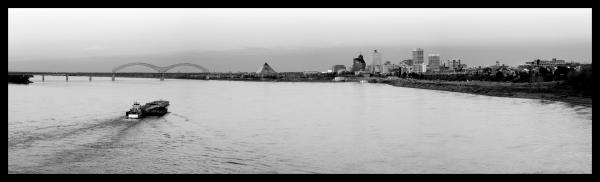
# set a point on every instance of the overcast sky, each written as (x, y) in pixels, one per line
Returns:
(38, 34)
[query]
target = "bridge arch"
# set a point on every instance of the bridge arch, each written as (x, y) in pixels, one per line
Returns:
(184, 64)
(157, 68)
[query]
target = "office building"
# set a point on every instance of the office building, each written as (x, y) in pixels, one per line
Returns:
(434, 62)
(417, 56)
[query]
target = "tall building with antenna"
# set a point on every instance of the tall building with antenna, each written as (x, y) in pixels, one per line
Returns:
(376, 65)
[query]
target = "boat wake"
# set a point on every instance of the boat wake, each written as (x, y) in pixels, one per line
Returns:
(24, 139)
(72, 145)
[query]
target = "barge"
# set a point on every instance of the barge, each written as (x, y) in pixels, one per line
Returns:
(154, 108)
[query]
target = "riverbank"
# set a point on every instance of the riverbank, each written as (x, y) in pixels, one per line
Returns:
(552, 91)
(545, 91)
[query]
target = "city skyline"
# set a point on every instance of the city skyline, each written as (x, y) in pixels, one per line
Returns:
(314, 40)
(216, 61)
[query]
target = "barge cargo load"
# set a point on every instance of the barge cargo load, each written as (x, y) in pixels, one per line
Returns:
(154, 108)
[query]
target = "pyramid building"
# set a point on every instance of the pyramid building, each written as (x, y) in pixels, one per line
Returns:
(265, 69)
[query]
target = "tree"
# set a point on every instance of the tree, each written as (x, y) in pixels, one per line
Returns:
(499, 76)
(561, 73)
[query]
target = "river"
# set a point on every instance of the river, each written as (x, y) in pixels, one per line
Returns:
(277, 127)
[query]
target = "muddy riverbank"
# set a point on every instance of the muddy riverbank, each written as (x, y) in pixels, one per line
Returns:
(553, 91)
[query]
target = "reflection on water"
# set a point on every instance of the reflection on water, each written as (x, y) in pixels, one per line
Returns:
(261, 127)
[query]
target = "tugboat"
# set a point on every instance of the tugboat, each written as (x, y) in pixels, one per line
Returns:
(154, 108)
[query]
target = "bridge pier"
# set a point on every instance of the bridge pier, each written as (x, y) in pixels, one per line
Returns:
(90, 78)
(66, 77)
(162, 77)
(113, 77)
(42, 78)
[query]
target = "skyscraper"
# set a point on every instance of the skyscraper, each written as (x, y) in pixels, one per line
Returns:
(434, 59)
(434, 62)
(417, 56)
(376, 65)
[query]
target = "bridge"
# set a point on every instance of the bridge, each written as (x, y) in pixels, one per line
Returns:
(160, 70)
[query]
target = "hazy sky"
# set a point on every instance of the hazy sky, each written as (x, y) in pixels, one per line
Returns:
(40, 34)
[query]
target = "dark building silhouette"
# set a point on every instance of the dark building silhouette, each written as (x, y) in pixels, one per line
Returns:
(358, 64)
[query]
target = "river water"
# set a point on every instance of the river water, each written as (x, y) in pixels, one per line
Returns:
(266, 127)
